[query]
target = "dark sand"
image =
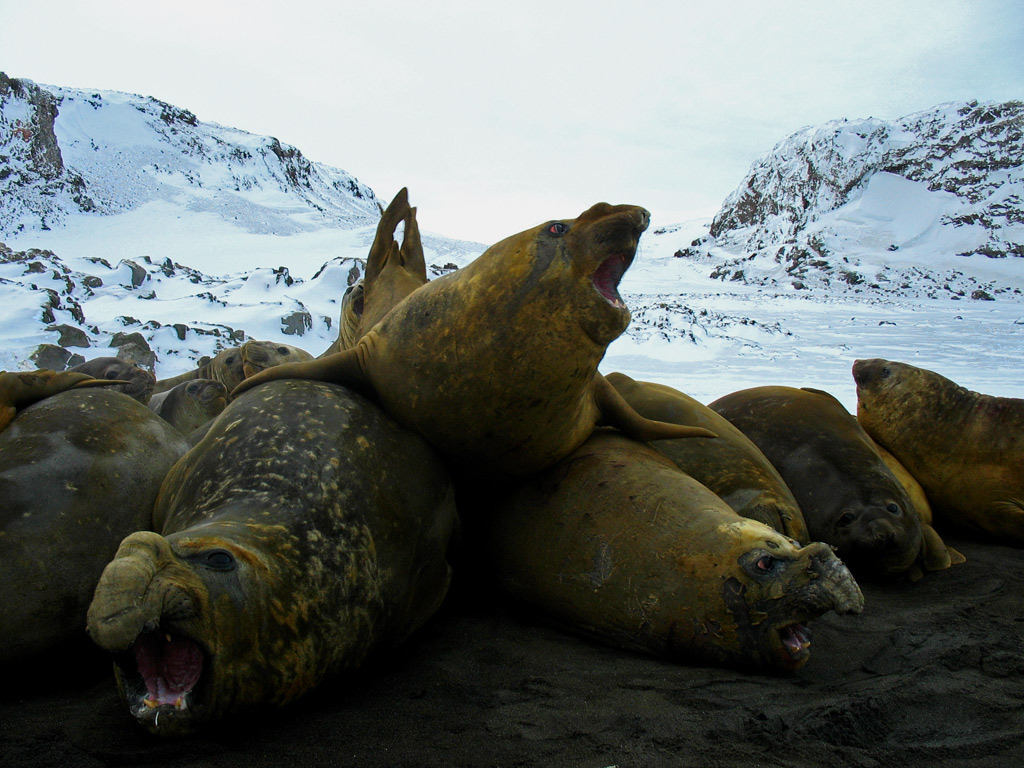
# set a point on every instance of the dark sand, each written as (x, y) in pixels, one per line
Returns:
(931, 674)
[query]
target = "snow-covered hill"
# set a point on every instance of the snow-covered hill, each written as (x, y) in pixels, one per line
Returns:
(928, 205)
(126, 220)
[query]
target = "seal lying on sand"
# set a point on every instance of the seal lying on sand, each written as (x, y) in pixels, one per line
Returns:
(616, 542)
(392, 273)
(139, 382)
(259, 355)
(849, 498)
(79, 471)
(190, 404)
(303, 532)
(731, 466)
(496, 364)
(966, 449)
(225, 367)
(19, 389)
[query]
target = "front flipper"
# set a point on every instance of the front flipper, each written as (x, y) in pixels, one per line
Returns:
(19, 390)
(345, 368)
(616, 412)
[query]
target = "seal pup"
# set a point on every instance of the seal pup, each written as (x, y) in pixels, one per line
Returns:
(496, 364)
(304, 531)
(848, 496)
(190, 404)
(225, 367)
(732, 466)
(617, 543)
(965, 448)
(79, 471)
(139, 382)
(392, 273)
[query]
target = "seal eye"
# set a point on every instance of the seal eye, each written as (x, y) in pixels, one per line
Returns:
(558, 229)
(845, 519)
(230, 360)
(219, 560)
(894, 509)
(192, 388)
(886, 372)
(282, 350)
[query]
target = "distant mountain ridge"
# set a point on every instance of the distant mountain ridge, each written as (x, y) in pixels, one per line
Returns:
(873, 205)
(67, 151)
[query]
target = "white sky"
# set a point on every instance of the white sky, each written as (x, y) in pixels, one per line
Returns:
(501, 115)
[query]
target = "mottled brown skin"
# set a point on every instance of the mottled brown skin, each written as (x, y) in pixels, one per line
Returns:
(305, 531)
(140, 382)
(731, 466)
(225, 367)
(190, 404)
(19, 389)
(616, 542)
(79, 471)
(259, 355)
(392, 273)
(848, 496)
(496, 364)
(965, 448)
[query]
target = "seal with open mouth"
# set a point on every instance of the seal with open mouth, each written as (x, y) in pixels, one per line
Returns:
(496, 364)
(616, 542)
(303, 532)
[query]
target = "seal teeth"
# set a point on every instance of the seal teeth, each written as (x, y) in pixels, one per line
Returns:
(607, 277)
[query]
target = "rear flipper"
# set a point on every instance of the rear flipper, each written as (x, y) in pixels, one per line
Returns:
(616, 412)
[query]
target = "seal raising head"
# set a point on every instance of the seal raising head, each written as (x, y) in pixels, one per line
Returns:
(496, 364)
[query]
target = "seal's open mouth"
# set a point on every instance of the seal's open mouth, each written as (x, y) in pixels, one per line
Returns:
(606, 278)
(164, 674)
(796, 641)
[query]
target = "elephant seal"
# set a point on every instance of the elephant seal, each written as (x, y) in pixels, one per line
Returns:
(496, 364)
(140, 382)
(848, 496)
(190, 404)
(225, 367)
(305, 531)
(259, 355)
(392, 273)
(79, 471)
(616, 542)
(965, 448)
(19, 389)
(731, 466)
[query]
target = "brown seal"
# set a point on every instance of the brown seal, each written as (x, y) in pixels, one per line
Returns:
(849, 498)
(19, 389)
(616, 542)
(305, 531)
(965, 448)
(496, 364)
(190, 404)
(732, 466)
(392, 273)
(79, 471)
(139, 382)
(259, 355)
(225, 367)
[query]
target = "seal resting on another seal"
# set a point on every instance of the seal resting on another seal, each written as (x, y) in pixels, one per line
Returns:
(965, 448)
(849, 497)
(731, 466)
(392, 273)
(79, 471)
(138, 384)
(259, 355)
(303, 532)
(225, 367)
(616, 542)
(496, 364)
(19, 389)
(190, 404)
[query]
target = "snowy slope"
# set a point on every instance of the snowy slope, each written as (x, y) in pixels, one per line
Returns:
(129, 216)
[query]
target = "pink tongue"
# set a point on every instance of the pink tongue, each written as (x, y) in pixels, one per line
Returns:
(795, 636)
(606, 278)
(170, 666)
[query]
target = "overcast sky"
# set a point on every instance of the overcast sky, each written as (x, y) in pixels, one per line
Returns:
(501, 115)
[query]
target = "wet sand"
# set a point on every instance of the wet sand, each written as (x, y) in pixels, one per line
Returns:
(930, 674)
